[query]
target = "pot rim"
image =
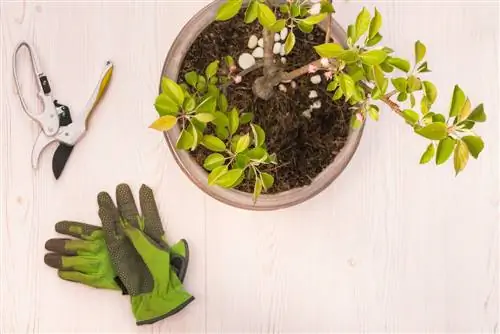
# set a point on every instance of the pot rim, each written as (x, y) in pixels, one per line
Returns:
(198, 175)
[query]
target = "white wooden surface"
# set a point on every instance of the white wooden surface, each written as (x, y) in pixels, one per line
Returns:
(391, 246)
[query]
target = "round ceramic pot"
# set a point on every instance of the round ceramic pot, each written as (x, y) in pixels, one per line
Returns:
(198, 175)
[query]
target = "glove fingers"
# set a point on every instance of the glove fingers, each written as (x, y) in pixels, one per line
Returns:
(149, 210)
(108, 213)
(78, 230)
(126, 204)
(73, 247)
(77, 263)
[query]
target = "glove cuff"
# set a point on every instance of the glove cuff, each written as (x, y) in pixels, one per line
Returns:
(150, 308)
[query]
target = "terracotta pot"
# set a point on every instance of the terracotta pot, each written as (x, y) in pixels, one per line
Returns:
(197, 173)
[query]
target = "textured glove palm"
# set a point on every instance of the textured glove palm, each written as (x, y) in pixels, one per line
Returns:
(136, 243)
(86, 259)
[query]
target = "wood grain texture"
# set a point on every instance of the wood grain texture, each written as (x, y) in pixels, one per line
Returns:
(391, 246)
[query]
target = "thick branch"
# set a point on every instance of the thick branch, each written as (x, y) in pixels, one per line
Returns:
(328, 28)
(269, 67)
(393, 105)
(300, 71)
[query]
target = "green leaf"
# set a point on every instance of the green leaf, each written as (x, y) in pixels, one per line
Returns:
(433, 131)
(386, 67)
(228, 10)
(213, 161)
(252, 12)
(329, 50)
(278, 26)
(173, 90)
(189, 103)
(420, 51)
(379, 77)
(164, 105)
(295, 10)
(223, 105)
(229, 179)
(428, 154)
(213, 143)
(438, 118)
(444, 150)
(410, 116)
(314, 19)
(399, 63)
(290, 42)
(257, 154)
(338, 94)
(465, 112)
(191, 129)
(241, 161)
(347, 85)
(229, 61)
(220, 119)
(375, 24)
(355, 72)
(424, 105)
(373, 112)
(221, 132)
(164, 123)
(242, 143)
(266, 16)
(246, 117)
(461, 156)
(457, 102)
(212, 90)
(349, 56)
(351, 34)
(327, 7)
(185, 141)
(234, 121)
(402, 97)
(412, 100)
(216, 174)
(208, 104)
(374, 40)
(332, 85)
(267, 180)
(430, 91)
(259, 136)
(191, 78)
(399, 84)
(475, 145)
(355, 122)
(284, 9)
(205, 117)
(305, 28)
(212, 69)
(478, 114)
(362, 23)
(414, 84)
(257, 189)
(273, 159)
(423, 68)
(373, 57)
(202, 84)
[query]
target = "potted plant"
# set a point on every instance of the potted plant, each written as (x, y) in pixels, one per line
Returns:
(263, 102)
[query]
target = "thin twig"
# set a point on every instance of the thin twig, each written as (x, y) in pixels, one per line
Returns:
(252, 68)
(391, 94)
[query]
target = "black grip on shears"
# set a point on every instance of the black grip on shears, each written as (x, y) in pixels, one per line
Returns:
(64, 114)
(44, 82)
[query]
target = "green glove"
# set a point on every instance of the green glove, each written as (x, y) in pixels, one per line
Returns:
(136, 244)
(86, 259)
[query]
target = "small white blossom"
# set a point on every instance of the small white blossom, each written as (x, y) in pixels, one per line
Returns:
(325, 62)
(237, 79)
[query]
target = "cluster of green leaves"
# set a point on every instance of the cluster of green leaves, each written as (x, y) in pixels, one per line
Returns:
(363, 78)
(295, 13)
(238, 144)
(452, 135)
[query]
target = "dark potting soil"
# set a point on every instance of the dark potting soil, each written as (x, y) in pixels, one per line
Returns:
(304, 146)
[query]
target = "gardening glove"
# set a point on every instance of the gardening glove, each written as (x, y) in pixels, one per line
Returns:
(86, 259)
(136, 244)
